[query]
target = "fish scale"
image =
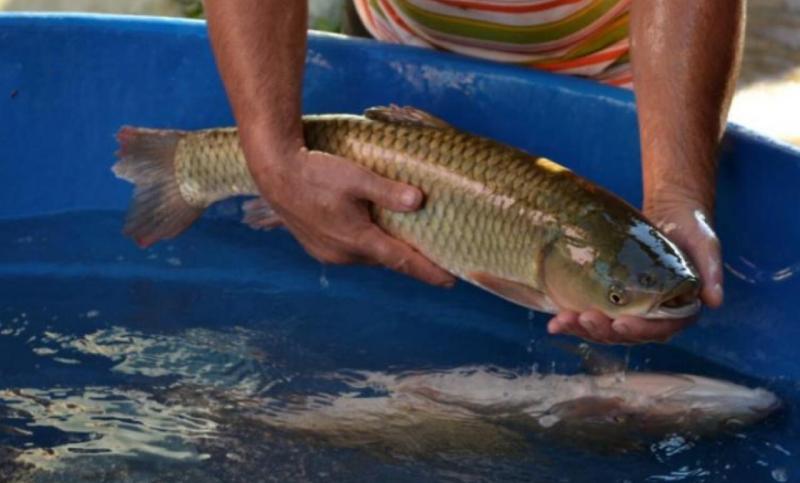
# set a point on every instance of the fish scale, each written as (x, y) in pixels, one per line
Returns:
(463, 227)
(493, 214)
(213, 167)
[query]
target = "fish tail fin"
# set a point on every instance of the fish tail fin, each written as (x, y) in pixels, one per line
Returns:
(146, 158)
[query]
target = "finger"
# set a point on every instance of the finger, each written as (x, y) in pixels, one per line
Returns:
(327, 255)
(317, 247)
(385, 193)
(636, 330)
(568, 323)
(563, 318)
(592, 326)
(703, 248)
(394, 254)
(598, 326)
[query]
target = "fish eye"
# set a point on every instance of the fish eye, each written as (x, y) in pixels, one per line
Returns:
(647, 280)
(617, 295)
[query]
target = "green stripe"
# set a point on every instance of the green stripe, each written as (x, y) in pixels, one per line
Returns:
(376, 9)
(490, 31)
(617, 32)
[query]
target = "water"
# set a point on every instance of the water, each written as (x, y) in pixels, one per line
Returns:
(171, 364)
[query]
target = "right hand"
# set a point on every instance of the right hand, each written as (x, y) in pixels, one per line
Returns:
(324, 200)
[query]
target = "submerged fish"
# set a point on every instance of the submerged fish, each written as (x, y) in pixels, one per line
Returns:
(517, 225)
(489, 409)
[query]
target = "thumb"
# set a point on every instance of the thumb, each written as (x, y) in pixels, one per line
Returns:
(708, 258)
(703, 247)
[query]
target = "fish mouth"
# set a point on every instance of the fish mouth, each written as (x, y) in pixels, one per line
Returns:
(680, 302)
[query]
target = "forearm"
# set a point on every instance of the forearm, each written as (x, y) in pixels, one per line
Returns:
(685, 56)
(260, 50)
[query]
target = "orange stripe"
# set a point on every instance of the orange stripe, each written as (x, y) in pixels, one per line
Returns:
(367, 8)
(387, 7)
(583, 61)
(506, 8)
(620, 81)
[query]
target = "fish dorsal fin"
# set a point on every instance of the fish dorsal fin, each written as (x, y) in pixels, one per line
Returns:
(514, 291)
(405, 115)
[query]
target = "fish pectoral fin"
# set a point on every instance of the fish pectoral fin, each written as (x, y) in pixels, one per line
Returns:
(515, 292)
(405, 115)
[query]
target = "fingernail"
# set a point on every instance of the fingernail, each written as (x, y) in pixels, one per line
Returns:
(621, 328)
(410, 198)
(553, 327)
(586, 323)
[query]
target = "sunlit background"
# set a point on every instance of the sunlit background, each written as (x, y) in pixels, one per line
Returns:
(768, 94)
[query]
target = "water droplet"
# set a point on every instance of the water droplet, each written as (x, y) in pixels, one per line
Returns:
(531, 344)
(781, 449)
(92, 314)
(174, 261)
(780, 474)
(324, 283)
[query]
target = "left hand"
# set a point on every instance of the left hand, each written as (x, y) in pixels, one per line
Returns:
(685, 222)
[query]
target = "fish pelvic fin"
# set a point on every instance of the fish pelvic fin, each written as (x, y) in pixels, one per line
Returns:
(406, 115)
(146, 158)
(514, 291)
(259, 215)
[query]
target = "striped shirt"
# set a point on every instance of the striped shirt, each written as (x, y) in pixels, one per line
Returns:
(579, 37)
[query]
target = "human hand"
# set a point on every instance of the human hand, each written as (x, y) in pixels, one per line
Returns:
(687, 224)
(324, 201)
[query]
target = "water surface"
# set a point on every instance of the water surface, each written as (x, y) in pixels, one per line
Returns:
(166, 364)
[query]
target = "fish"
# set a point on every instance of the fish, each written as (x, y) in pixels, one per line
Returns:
(488, 409)
(517, 225)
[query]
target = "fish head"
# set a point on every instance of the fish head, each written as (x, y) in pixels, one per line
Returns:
(657, 405)
(620, 265)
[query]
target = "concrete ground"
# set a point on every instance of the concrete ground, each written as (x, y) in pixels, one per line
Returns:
(768, 93)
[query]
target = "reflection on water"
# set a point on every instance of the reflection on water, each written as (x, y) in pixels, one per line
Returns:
(206, 385)
(102, 420)
(749, 272)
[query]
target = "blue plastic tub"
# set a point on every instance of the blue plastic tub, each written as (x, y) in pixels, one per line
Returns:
(68, 278)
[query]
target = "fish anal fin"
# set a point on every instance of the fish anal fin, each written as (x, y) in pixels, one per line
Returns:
(405, 115)
(514, 291)
(259, 215)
